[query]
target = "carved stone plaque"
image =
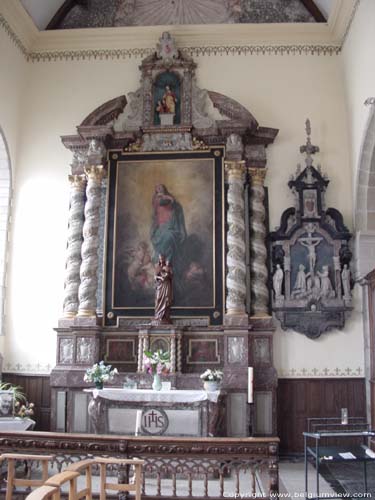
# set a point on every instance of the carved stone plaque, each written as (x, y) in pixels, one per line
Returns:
(236, 349)
(66, 351)
(262, 352)
(85, 350)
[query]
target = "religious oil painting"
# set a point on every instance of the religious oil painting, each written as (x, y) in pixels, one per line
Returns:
(168, 205)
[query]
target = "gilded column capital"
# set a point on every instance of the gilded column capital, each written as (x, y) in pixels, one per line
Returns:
(95, 172)
(77, 181)
(235, 168)
(257, 175)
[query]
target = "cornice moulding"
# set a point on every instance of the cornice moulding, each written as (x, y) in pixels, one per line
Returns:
(340, 19)
(20, 22)
(313, 38)
(186, 36)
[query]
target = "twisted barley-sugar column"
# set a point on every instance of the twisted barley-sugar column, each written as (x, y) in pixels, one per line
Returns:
(73, 258)
(259, 272)
(90, 245)
(236, 268)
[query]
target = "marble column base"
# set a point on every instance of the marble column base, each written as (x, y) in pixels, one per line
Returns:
(262, 322)
(237, 319)
(79, 321)
(86, 313)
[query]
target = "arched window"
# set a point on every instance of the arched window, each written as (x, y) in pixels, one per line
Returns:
(5, 191)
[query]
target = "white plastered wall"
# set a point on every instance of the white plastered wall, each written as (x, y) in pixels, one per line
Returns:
(281, 91)
(359, 77)
(357, 59)
(12, 85)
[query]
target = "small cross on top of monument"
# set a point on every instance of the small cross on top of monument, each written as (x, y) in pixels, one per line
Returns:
(308, 148)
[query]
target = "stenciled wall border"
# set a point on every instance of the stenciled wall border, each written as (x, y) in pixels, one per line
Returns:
(327, 372)
(13, 36)
(28, 369)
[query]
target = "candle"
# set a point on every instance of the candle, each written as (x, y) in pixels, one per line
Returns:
(250, 381)
(138, 422)
(344, 416)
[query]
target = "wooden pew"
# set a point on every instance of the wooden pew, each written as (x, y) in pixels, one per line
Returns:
(45, 493)
(83, 467)
(12, 481)
(136, 486)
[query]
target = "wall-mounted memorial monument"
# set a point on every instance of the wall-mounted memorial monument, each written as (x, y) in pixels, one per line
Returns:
(310, 256)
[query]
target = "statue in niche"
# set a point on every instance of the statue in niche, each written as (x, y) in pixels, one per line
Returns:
(278, 281)
(326, 289)
(169, 100)
(345, 278)
(164, 293)
(299, 289)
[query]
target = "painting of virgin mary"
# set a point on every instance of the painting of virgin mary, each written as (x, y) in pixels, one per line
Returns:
(165, 208)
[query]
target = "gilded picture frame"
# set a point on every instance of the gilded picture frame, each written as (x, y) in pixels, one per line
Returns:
(167, 204)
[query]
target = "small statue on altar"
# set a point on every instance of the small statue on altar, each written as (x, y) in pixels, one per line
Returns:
(163, 292)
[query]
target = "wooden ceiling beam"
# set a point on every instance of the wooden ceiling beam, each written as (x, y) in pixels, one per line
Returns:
(63, 11)
(314, 10)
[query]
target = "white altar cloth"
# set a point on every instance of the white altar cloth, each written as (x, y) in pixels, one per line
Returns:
(139, 395)
(16, 424)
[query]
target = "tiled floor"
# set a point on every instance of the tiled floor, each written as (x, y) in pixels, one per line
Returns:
(292, 480)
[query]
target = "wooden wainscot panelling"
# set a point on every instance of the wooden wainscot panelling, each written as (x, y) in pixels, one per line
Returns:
(37, 390)
(300, 399)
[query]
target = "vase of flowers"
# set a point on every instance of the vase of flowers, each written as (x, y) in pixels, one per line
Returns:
(100, 373)
(212, 379)
(156, 363)
(25, 410)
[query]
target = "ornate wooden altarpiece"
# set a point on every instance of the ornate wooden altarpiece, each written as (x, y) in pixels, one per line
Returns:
(208, 153)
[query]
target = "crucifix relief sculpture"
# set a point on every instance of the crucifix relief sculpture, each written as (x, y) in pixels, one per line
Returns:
(311, 256)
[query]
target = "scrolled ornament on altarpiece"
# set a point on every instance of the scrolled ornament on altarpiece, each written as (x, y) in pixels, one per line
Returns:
(311, 279)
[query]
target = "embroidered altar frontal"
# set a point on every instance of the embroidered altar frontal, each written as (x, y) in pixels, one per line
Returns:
(171, 205)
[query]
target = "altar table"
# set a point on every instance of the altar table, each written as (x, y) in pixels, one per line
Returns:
(16, 424)
(148, 412)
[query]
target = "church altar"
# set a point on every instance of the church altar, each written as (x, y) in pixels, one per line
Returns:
(169, 412)
(191, 191)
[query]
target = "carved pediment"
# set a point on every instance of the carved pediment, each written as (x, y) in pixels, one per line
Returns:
(170, 112)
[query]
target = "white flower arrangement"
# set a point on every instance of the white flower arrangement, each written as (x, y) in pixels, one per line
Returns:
(100, 373)
(212, 375)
